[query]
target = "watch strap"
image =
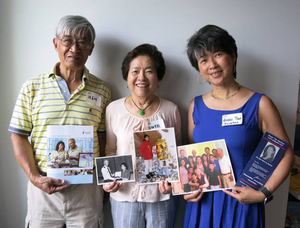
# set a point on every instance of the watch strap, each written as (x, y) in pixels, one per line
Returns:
(265, 191)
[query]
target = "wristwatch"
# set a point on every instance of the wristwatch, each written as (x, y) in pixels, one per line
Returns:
(267, 193)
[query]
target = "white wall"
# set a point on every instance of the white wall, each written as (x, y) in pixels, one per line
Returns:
(267, 35)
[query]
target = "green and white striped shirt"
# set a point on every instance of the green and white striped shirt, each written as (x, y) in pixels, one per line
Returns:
(41, 103)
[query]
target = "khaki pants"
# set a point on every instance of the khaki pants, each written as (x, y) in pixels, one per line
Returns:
(76, 206)
(228, 183)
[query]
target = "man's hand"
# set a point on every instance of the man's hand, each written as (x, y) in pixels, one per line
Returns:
(48, 184)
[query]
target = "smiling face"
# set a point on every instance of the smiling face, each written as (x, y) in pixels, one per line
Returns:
(198, 160)
(142, 77)
(105, 162)
(72, 144)
(220, 152)
(270, 152)
(182, 162)
(216, 67)
(194, 153)
(123, 167)
(207, 151)
(61, 147)
(182, 153)
(72, 58)
(211, 166)
(212, 158)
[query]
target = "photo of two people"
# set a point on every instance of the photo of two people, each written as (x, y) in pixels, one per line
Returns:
(114, 168)
(70, 153)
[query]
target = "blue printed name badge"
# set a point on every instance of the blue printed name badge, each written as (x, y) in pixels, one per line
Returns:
(157, 124)
(232, 119)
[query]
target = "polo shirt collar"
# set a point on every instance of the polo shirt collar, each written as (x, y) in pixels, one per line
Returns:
(85, 75)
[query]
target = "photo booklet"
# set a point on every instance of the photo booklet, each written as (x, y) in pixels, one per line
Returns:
(114, 168)
(263, 162)
(70, 153)
(205, 166)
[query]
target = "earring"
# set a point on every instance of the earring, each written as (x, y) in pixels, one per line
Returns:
(198, 79)
(127, 87)
(233, 71)
(158, 86)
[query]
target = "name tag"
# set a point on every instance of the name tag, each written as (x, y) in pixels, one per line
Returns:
(157, 124)
(232, 119)
(93, 98)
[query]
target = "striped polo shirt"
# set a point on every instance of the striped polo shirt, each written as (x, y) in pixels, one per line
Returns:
(41, 103)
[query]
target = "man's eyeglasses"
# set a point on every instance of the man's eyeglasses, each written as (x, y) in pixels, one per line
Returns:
(68, 42)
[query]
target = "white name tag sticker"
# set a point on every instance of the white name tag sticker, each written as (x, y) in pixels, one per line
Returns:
(93, 98)
(157, 124)
(232, 119)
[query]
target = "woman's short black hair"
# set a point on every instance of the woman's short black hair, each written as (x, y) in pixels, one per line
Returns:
(145, 50)
(125, 164)
(57, 145)
(210, 38)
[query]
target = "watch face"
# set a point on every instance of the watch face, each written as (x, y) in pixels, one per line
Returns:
(268, 199)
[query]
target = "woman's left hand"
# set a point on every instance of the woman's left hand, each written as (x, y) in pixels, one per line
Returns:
(246, 195)
(165, 187)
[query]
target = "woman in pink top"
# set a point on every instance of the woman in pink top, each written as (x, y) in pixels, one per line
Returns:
(134, 205)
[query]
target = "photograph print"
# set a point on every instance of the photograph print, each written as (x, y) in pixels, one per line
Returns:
(114, 168)
(156, 156)
(70, 153)
(204, 166)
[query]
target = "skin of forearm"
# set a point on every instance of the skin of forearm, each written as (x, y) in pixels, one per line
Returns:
(24, 155)
(281, 172)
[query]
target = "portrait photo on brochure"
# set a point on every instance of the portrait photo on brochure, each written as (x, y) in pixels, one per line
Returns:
(114, 168)
(156, 156)
(204, 166)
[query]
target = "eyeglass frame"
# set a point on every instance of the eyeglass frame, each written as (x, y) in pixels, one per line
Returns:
(88, 46)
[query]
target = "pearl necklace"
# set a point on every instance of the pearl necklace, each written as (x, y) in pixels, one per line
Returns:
(229, 96)
(142, 111)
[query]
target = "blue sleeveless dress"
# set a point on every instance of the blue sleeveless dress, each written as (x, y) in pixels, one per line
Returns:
(217, 209)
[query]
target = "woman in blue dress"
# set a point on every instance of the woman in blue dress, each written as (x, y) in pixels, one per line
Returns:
(213, 52)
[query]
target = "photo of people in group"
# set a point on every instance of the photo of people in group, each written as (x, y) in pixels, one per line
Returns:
(114, 168)
(204, 166)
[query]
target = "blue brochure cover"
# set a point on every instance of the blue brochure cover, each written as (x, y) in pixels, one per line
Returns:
(263, 162)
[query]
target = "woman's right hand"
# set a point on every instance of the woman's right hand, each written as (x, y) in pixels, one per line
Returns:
(194, 197)
(112, 187)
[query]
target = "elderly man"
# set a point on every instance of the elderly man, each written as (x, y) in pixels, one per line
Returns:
(225, 168)
(106, 172)
(73, 152)
(66, 95)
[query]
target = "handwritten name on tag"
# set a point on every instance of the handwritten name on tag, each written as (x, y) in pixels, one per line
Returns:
(157, 124)
(232, 119)
(93, 98)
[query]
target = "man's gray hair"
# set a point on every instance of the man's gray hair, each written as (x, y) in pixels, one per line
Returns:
(73, 24)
